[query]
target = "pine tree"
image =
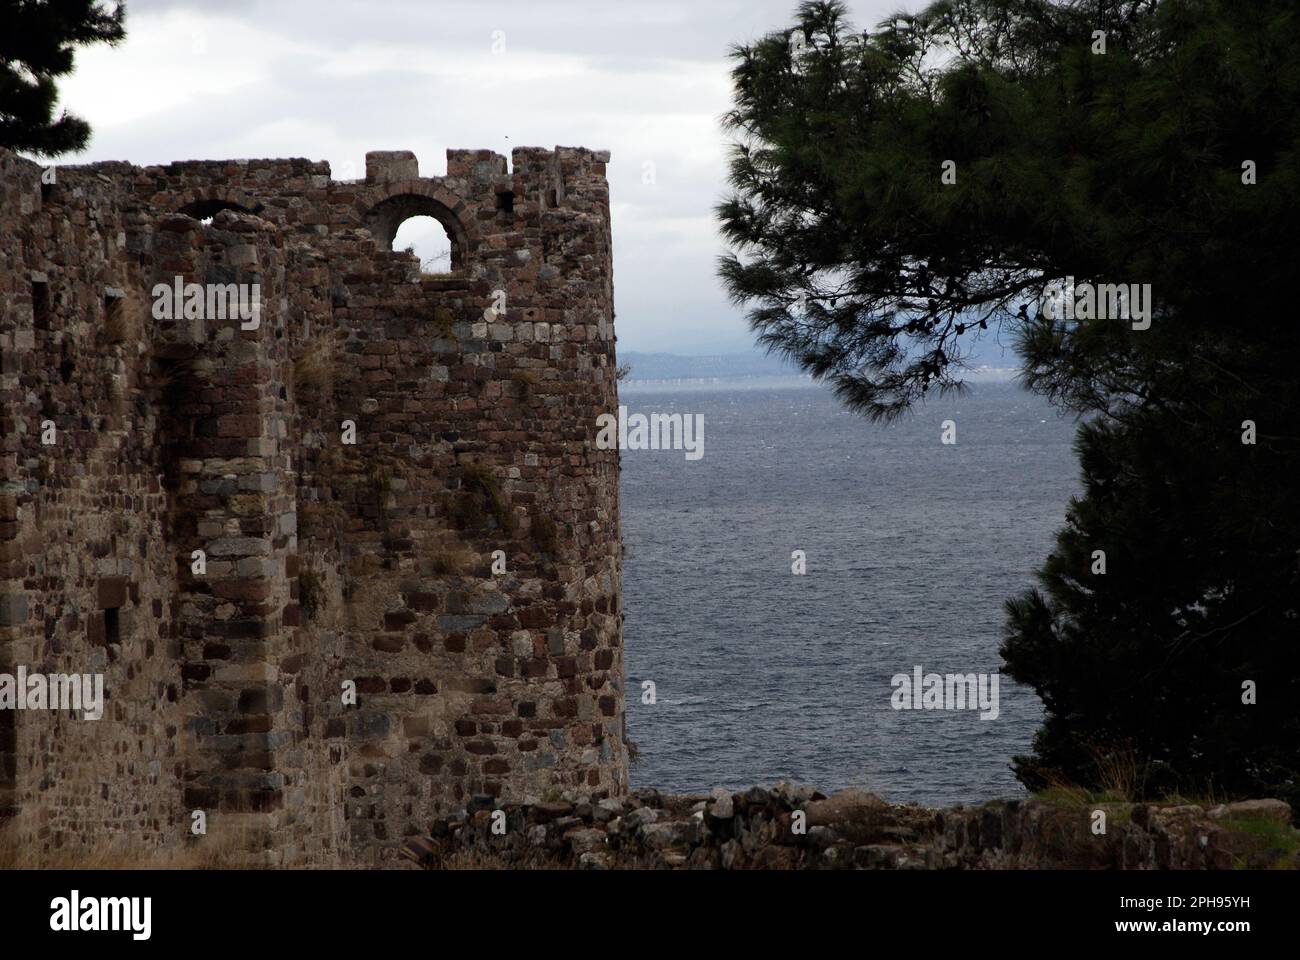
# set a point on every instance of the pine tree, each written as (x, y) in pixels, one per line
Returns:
(902, 192)
(1174, 589)
(37, 38)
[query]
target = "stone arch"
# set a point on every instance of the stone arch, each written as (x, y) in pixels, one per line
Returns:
(385, 213)
(203, 204)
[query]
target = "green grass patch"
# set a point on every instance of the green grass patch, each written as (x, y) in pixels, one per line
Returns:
(1277, 841)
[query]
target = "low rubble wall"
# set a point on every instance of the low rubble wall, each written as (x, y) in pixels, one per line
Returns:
(793, 827)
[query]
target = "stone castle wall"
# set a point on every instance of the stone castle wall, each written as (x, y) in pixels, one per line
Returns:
(473, 399)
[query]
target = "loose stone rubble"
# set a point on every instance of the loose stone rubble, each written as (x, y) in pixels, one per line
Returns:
(852, 830)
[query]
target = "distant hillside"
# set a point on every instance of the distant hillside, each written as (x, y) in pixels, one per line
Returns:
(672, 366)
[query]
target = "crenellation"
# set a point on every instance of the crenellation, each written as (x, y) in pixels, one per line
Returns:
(348, 460)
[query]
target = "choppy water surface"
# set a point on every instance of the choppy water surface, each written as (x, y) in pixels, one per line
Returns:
(912, 547)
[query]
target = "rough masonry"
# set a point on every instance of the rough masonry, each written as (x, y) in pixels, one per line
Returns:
(190, 443)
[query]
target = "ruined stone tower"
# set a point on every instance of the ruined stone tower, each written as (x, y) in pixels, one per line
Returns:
(202, 532)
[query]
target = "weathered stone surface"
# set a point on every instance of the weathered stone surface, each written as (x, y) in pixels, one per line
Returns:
(607, 809)
(545, 812)
(585, 841)
(721, 807)
(237, 517)
(13, 609)
(640, 817)
(1274, 810)
(659, 836)
(847, 806)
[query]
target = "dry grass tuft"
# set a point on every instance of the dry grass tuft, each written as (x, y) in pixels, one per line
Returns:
(311, 593)
(123, 317)
(317, 519)
(545, 533)
(455, 561)
(490, 860)
(481, 495)
(212, 852)
(314, 367)
(1117, 769)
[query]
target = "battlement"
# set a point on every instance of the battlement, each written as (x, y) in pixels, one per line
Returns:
(346, 562)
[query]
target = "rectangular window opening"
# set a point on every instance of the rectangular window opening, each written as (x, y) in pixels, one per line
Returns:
(41, 304)
(114, 319)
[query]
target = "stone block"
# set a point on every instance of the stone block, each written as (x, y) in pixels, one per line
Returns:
(13, 609)
(388, 166)
(111, 592)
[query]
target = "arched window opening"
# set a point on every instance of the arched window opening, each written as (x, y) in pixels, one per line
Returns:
(427, 239)
(420, 223)
(205, 210)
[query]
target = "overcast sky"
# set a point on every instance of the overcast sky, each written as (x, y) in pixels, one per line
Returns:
(331, 79)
